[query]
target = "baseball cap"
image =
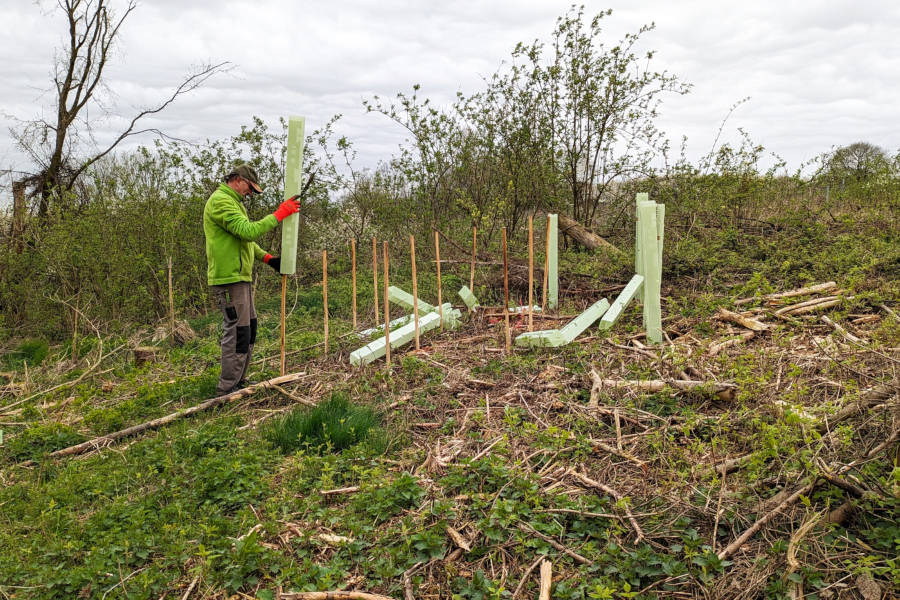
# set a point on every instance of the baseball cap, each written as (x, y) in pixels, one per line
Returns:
(247, 172)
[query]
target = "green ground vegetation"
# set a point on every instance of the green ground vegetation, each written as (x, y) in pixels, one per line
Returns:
(354, 479)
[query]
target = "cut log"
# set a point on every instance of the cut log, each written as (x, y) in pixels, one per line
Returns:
(584, 236)
(724, 391)
(813, 289)
(800, 306)
(733, 317)
(849, 336)
(109, 439)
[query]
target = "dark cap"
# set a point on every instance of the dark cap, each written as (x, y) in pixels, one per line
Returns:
(246, 171)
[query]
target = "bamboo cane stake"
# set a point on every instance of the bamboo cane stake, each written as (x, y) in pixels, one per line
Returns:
(283, 294)
(353, 276)
(530, 273)
(387, 312)
(472, 268)
(325, 293)
(506, 292)
(75, 326)
(437, 261)
(546, 267)
(375, 275)
(415, 285)
(171, 304)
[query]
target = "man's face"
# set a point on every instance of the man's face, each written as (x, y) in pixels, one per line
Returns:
(244, 187)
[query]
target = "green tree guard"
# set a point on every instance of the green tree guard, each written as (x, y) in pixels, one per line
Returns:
(652, 277)
(615, 311)
(553, 263)
(638, 264)
(293, 183)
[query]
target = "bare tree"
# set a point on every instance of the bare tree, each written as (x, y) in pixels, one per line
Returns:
(64, 148)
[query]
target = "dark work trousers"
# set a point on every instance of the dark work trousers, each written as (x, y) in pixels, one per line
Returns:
(239, 332)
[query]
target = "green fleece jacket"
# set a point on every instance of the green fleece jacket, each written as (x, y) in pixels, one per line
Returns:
(230, 235)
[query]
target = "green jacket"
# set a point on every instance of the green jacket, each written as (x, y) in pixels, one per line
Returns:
(230, 235)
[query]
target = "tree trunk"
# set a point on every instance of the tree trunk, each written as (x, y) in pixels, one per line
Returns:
(18, 224)
(583, 236)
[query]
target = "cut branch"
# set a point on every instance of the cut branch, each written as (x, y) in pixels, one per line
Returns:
(738, 319)
(813, 289)
(107, 440)
(725, 391)
(585, 480)
(877, 394)
(750, 531)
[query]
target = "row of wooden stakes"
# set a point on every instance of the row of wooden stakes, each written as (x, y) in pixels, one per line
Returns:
(415, 287)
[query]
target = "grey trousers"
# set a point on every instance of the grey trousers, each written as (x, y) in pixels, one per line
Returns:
(239, 332)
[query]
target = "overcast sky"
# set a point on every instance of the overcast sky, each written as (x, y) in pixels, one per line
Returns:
(818, 74)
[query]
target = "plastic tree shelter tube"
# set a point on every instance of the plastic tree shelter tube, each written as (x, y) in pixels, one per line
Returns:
(293, 183)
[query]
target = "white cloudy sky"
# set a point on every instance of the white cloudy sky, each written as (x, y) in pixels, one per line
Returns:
(819, 73)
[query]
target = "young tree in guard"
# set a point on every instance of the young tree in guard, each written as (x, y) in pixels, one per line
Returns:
(650, 259)
(375, 274)
(552, 262)
(353, 277)
(325, 294)
(415, 284)
(387, 311)
(506, 292)
(293, 177)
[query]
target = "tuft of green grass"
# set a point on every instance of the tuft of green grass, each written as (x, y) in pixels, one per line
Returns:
(334, 424)
(32, 351)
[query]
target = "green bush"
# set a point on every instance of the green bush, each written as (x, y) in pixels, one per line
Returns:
(334, 424)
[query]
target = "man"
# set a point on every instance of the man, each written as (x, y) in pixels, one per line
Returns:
(230, 251)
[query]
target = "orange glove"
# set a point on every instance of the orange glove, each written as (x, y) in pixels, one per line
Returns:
(288, 207)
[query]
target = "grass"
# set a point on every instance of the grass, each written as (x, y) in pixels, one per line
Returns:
(334, 424)
(234, 498)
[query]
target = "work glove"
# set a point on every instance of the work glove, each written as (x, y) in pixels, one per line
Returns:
(273, 261)
(288, 207)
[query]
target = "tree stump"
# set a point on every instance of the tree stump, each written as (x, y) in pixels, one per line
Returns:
(144, 354)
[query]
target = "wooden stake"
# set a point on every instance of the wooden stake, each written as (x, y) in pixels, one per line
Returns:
(506, 293)
(387, 312)
(437, 261)
(530, 273)
(75, 326)
(375, 274)
(325, 293)
(546, 267)
(353, 276)
(283, 294)
(415, 284)
(472, 268)
(171, 304)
